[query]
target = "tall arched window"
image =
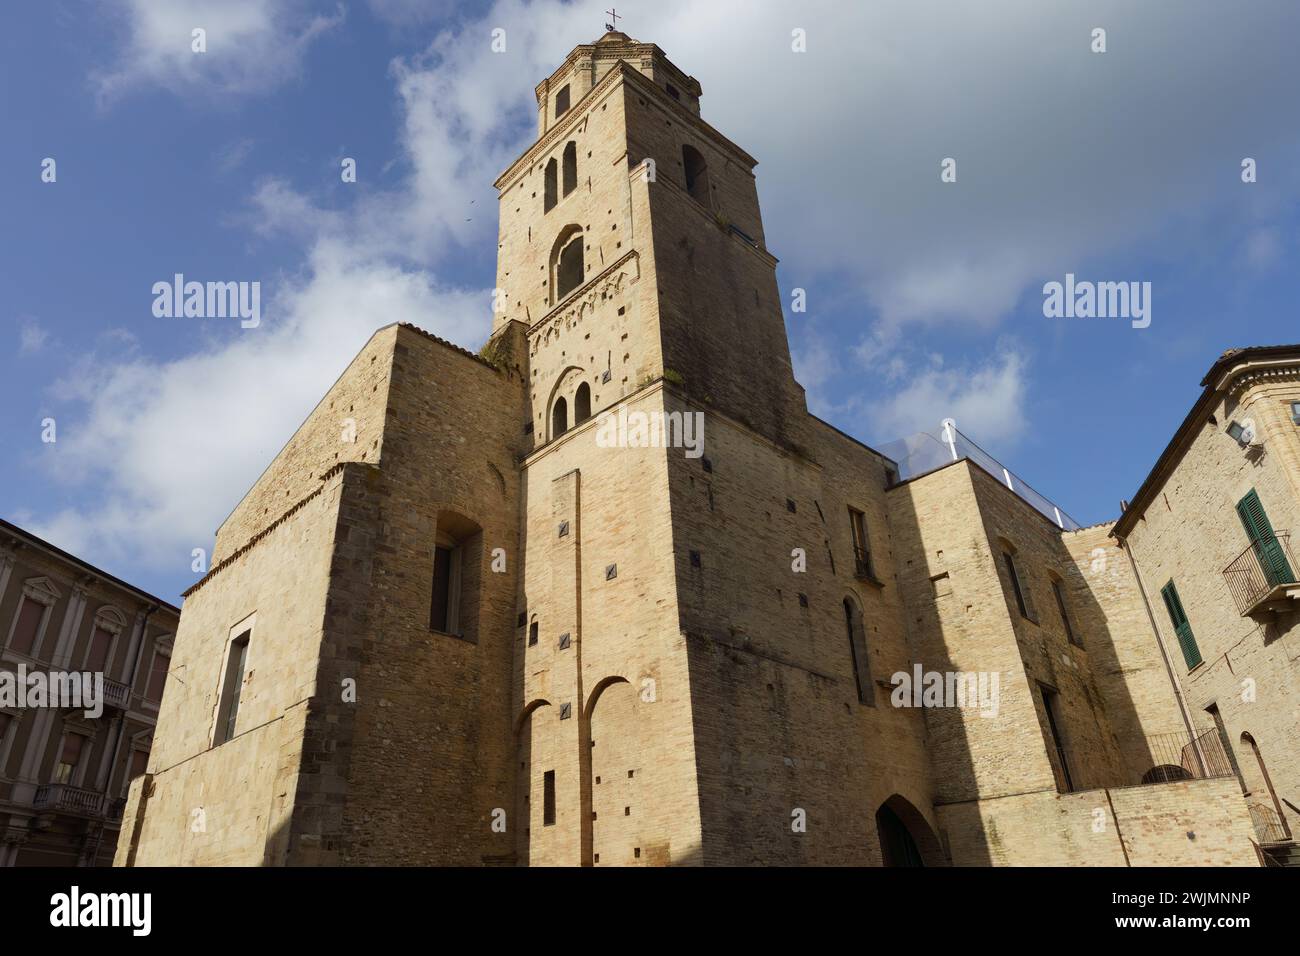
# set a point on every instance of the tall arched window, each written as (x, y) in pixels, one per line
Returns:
(697, 174)
(559, 418)
(569, 271)
(582, 404)
(570, 167)
(549, 195)
(858, 651)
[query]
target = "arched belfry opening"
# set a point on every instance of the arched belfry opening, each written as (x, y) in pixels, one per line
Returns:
(582, 404)
(550, 192)
(568, 267)
(697, 174)
(559, 417)
(570, 167)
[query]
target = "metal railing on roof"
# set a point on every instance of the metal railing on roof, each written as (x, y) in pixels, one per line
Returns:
(924, 452)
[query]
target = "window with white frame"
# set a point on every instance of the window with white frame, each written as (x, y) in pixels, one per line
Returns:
(153, 688)
(27, 629)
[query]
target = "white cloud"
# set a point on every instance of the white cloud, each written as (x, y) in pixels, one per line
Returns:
(31, 338)
(251, 45)
(1073, 155)
(986, 400)
(170, 447)
(1262, 249)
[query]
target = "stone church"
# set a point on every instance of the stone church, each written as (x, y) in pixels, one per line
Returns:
(459, 621)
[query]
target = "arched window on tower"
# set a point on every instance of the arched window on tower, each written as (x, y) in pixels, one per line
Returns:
(570, 167)
(697, 174)
(582, 404)
(559, 418)
(550, 190)
(569, 270)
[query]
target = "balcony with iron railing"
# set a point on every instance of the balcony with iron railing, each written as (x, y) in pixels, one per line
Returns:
(1165, 758)
(63, 798)
(862, 563)
(1262, 578)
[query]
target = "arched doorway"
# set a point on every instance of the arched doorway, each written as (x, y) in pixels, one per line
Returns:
(905, 837)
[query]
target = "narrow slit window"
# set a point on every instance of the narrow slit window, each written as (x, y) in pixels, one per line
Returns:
(548, 798)
(550, 190)
(1065, 614)
(1017, 586)
(232, 686)
(1058, 742)
(570, 168)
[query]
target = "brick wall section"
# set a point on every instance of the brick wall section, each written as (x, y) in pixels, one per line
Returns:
(622, 629)
(1192, 823)
(1130, 675)
(1153, 825)
(434, 715)
(964, 623)
(778, 723)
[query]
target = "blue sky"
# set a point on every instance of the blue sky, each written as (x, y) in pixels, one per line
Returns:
(924, 298)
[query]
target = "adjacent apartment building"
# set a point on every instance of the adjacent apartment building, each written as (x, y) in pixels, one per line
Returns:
(64, 773)
(605, 593)
(1209, 538)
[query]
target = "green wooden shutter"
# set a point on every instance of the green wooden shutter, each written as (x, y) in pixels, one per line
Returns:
(1264, 540)
(1182, 628)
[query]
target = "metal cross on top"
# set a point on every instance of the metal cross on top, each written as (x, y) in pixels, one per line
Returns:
(613, 18)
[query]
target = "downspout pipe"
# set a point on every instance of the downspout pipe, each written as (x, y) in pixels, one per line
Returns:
(1164, 656)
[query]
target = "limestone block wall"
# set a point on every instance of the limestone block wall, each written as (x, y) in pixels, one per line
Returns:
(605, 690)
(720, 316)
(780, 734)
(1134, 685)
(960, 619)
(1082, 714)
(229, 804)
(431, 755)
(1188, 534)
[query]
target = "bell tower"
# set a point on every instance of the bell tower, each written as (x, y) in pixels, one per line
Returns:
(632, 269)
(626, 185)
